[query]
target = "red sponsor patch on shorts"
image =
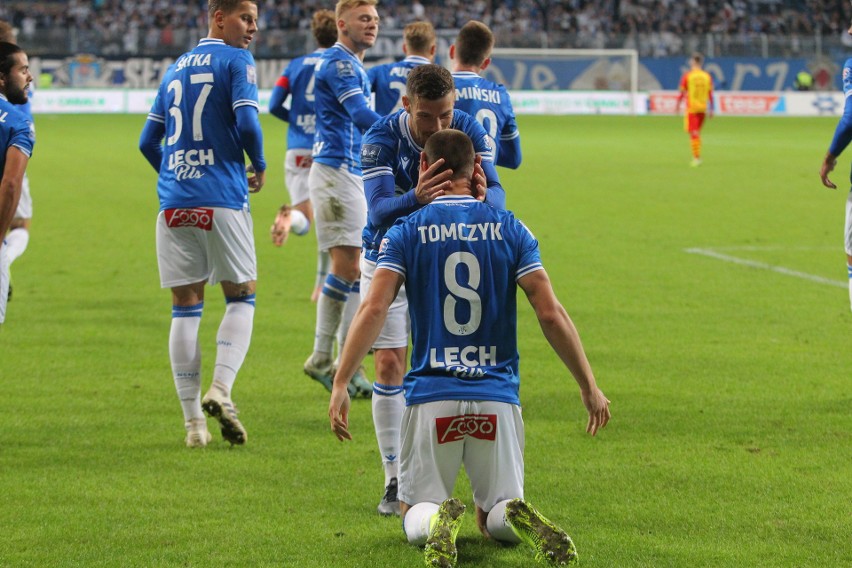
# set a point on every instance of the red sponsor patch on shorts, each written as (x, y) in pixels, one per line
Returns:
(455, 428)
(198, 217)
(304, 161)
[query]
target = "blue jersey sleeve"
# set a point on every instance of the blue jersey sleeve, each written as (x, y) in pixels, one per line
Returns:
(248, 125)
(496, 195)
(383, 204)
(843, 132)
(362, 115)
(280, 92)
(276, 103)
(392, 250)
(151, 143)
(509, 153)
(529, 256)
(151, 139)
(347, 88)
(244, 101)
(243, 80)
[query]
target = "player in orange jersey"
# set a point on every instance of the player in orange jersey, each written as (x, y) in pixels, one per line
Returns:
(696, 86)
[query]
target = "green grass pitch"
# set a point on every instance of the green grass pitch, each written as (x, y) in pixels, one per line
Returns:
(712, 303)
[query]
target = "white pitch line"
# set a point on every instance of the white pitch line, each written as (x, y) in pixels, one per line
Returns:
(763, 266)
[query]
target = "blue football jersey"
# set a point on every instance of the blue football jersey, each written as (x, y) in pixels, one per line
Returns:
(339, 76)
(843, 132)
(462, 258)
(391, 161)
(488, 103)
(297, 81)
(388, 82)
(203, 162)
(16, 129)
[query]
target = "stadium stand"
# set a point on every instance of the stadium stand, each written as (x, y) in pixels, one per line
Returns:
(655, 27)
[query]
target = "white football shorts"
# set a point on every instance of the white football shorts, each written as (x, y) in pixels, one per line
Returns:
(25, 205)
(848, 236)
(4, 281)
(297, 166)
(340, 208)
(205, 244)
(439, 437)
(394, 332)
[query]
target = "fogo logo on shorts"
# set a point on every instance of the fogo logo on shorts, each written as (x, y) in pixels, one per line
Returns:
(455, 428)
(195, 217)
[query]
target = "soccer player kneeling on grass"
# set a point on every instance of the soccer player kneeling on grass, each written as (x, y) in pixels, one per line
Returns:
(465, 260)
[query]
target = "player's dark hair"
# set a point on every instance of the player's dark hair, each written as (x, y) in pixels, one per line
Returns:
(456, 148)
(419, 37)
(430, 82)
(7, 50)
(324, 28)
(698, 58)
(474, 43)
(227, 6)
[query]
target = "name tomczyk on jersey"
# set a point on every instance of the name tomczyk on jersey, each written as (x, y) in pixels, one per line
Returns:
(460, 232)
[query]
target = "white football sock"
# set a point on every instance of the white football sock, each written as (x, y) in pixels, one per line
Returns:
(850, 285)
(329, 313)
(16, 243)
(323, 264)
(498, 526)
(388, 405)
(418, 522)
(299, 224)
(233, 340)
(185, 356)
(349, 311)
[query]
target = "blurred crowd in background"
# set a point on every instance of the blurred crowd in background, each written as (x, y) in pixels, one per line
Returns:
(657, 28)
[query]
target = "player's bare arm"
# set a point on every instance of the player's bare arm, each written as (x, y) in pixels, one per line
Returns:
(365, 329)
(10, 186)
(828, 164)
(563, 337)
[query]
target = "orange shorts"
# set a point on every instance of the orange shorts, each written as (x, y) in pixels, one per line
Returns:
(693, 121)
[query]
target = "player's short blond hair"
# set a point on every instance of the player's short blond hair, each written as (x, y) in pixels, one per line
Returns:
(345, 5)
(324, 28)
(7, 32)
(419, 37)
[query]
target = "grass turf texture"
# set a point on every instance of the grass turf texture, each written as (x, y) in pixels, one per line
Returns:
(730, 440)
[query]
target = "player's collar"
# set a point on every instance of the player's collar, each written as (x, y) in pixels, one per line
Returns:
(2, 96)
(419, 59)
(405, 128)
(209, 40)
(347, 50)
(453, 199)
